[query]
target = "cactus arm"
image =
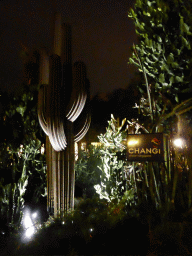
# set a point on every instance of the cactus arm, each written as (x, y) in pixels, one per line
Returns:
(82, 124)
(79, 94)
(40, 110)
(83, 130)
(77, 108)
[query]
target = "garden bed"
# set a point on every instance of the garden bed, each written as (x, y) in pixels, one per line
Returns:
(99, 229)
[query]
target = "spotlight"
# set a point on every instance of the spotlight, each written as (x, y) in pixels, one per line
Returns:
(179, 143)
(28, 224)
(34, 215)
(29, 232)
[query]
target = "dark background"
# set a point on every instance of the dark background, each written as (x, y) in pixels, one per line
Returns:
(102, 37)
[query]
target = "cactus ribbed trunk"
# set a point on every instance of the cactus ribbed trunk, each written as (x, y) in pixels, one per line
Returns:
(64, 117)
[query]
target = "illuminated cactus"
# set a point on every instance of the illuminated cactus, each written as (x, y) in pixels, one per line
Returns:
(63, 115)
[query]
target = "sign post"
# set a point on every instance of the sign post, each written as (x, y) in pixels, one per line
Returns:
(145, 147)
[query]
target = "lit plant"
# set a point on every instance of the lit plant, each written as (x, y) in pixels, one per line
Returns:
(118, 177)
(87, 172)
(20, 156)
(164, 56)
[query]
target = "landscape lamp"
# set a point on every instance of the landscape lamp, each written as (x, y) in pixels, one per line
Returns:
(29, 223)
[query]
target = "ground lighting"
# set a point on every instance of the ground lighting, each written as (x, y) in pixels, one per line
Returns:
(29, 223)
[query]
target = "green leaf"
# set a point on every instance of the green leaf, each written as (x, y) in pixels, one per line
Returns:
(154, 57)
(178, 79)
(151, 75)
(186, 28)
(171, 80)
(149, 61)
(170, 58)
(162, 78)
(164, 67)
(165, 85)
(132, 14)
(159, 47)
(159, 39)
(175, 64)
(148, 3)
(21, 110)
(181, 24)
(185, 42)
(132, 61)
(150, 43)
(146, 13)
(157, 86)
(176, 98)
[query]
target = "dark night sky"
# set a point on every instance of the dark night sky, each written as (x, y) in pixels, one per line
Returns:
(102, 36)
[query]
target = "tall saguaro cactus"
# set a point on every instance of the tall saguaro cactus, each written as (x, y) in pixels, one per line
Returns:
(63, 115)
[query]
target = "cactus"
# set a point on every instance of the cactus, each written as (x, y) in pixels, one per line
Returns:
(63, 115)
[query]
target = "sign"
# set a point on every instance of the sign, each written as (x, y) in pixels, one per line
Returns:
(145, 147)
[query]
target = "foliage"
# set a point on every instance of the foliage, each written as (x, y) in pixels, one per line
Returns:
(90, 229)
(164, 55)
(143, 185)
(97, 228)
(20, 152)
(116, 177)
(87, 173)
(36, 170)
(112, 185)
(165, 31)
